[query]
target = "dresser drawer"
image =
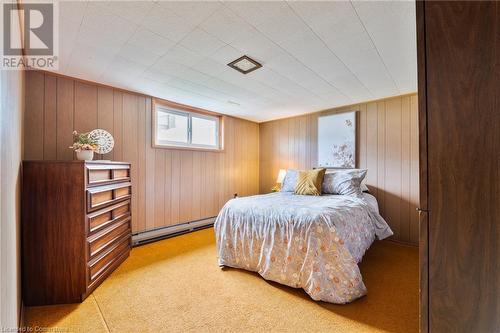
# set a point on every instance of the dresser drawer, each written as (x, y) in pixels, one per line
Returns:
(102, 240)
(103, 196)
(105, 217)
(101, 174)
(98, 266)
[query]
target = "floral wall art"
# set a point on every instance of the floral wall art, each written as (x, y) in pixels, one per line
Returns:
(337, 140)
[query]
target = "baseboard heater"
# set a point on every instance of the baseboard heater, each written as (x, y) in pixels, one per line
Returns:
(149, 236)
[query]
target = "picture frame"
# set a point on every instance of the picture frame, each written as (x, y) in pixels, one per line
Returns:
(337, 136)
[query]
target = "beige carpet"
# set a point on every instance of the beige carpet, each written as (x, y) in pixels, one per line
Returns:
(175, 285)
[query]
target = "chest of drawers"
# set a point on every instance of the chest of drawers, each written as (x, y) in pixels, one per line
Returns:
(76, 227)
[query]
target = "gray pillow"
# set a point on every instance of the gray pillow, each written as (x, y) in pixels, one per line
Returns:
(344, 182)
(290, 180)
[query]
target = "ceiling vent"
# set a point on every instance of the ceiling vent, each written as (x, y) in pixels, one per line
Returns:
(244, 64)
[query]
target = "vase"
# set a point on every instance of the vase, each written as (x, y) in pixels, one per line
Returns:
(85, 155)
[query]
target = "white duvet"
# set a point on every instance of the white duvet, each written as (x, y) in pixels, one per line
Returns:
(309, 242)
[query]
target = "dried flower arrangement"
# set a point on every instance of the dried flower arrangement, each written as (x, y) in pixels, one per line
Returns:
(343, 155)
(82, 141)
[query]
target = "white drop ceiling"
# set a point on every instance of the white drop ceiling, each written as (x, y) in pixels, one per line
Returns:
(315, 55)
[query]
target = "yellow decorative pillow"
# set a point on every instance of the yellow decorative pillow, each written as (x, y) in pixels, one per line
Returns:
(309, 182)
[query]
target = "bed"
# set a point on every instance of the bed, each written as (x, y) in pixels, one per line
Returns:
(309, 242)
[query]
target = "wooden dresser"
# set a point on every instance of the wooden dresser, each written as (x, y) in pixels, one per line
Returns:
(76, 227)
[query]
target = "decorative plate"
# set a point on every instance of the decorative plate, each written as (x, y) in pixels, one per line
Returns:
(104, 140)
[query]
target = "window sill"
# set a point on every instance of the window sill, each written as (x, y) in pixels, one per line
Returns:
(213, 150)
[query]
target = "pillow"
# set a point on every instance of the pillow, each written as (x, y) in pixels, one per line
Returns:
(290, 181)
(309, 182)
(344, 182)
(364, 188)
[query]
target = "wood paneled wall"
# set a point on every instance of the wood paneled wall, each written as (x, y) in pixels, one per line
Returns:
(169, 186)
(387, 145)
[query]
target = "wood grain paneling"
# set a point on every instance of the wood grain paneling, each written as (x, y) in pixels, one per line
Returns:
(85, 107)
(460, 56)
(105, 112)
(64, 117)
(50, 119)
(169, 186)
(387, 145)
(34, 118)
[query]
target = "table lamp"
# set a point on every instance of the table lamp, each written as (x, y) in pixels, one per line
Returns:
(279, 180)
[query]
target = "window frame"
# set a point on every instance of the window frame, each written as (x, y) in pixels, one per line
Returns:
(190, 112)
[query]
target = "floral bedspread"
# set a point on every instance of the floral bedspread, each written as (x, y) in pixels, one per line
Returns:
(309, 242)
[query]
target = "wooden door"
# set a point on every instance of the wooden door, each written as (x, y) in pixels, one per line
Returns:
(459, 83)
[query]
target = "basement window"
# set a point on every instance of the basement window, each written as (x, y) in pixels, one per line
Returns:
(178, 128)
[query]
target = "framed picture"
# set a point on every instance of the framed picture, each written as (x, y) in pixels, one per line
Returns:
(337, 140)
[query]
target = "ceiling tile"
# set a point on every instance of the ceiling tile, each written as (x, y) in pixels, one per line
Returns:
(96, 16)
(227, 26)
(328, 17)
(198, 88)
(106, 41)
(87, 62)
(97, 13)
(146, 39)
(281, 23)
(164, 71)
(156, 75)
(167, 24)
(289, 88)
(211, 68)
(72, 11)
(134, 11)
(258, 47)
(192, 12)
(250, 11)
(201, 42)
(138, 55)
(71, 16)
(225, 55)
(120, 69)
(181, 55)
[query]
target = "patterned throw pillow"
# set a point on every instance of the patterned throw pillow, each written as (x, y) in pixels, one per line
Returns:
(290, 181)
(309, 182)
(344, 182)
